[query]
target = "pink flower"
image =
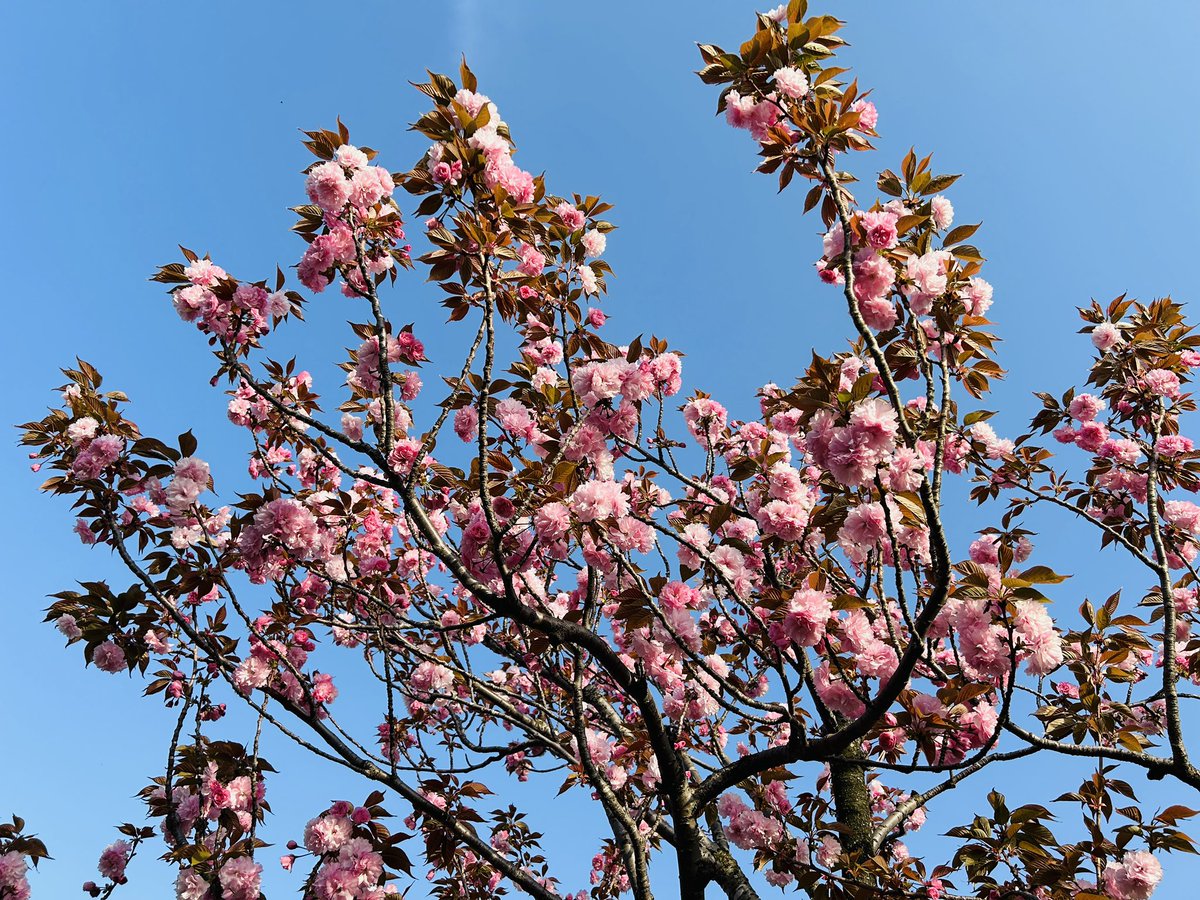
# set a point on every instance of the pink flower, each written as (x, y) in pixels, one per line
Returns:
(552, 522)
(352, 426)
(977, 297)
(328, 187)
(587, 280)
(1162, 382)
(447, 172)
(82, 429)
(350, 156)
(109, 657)
(1174, 445)
(69, 627)
(928, 275)
(327, 833)
(594, 243)
(515, 418)
(705, 418)
(1183, 515)
(570, 216)
(190, 886)
(370, 185)
(865, 527)
(323, 690)
(748, 113)
(942, 212)
(598, 381)
(791, 82)
(868, 115)
(100, 453)
(1085, 407)
(86, 535)
(873, 276)
(466, 424)
(786, 521)
(880, 226)
(985, 551)
(113, 860)
(532, 261)
(804, 620)
(1038, 638)
(1105, 336)
(1134, 878)
(204, 273)
(430, 678)
(595, 501)
(1091, 436)
(240, 879)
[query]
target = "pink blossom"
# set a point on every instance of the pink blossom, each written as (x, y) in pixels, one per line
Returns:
(873, 277)
(865, 527)
(791, 82)
(977, 297)
(994, 447)
(880, 226)
(370, 185)
(240, 879)
(1038, 638)
(1162, 382)
(570, 216)
(868, 115)
(350, 156)
(786, 521)
(100, 453)
(69, 627)
(595, 501)
(1170, 445)
(82, 429)
(587, 280)
(1134, 878)
(190, 886)
(928, 275)
(1105, 336)
(705, 418)
(942, 212)
(594, 243)
(327, 833)
(804, 620)
(532, 261)
(86, 535)
(1091, 436)
(985, 550)
(1183, 514)
(1085, 407)
(552, 522)
(109, 657)
(328, 187)
(466, 423)
(748, 113)
(204, 273)
(515, 418)
(113, 860)
(598, 381)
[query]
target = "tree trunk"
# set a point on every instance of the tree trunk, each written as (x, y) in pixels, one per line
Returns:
(852, 801)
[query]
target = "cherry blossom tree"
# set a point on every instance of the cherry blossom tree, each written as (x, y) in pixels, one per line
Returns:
(744, 640)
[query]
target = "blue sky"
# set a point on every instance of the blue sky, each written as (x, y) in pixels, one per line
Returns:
(136, 126)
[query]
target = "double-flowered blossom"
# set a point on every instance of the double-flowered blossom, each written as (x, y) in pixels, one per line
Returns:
(753, 630)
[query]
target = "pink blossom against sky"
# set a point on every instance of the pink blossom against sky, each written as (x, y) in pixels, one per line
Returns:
(706, 255)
